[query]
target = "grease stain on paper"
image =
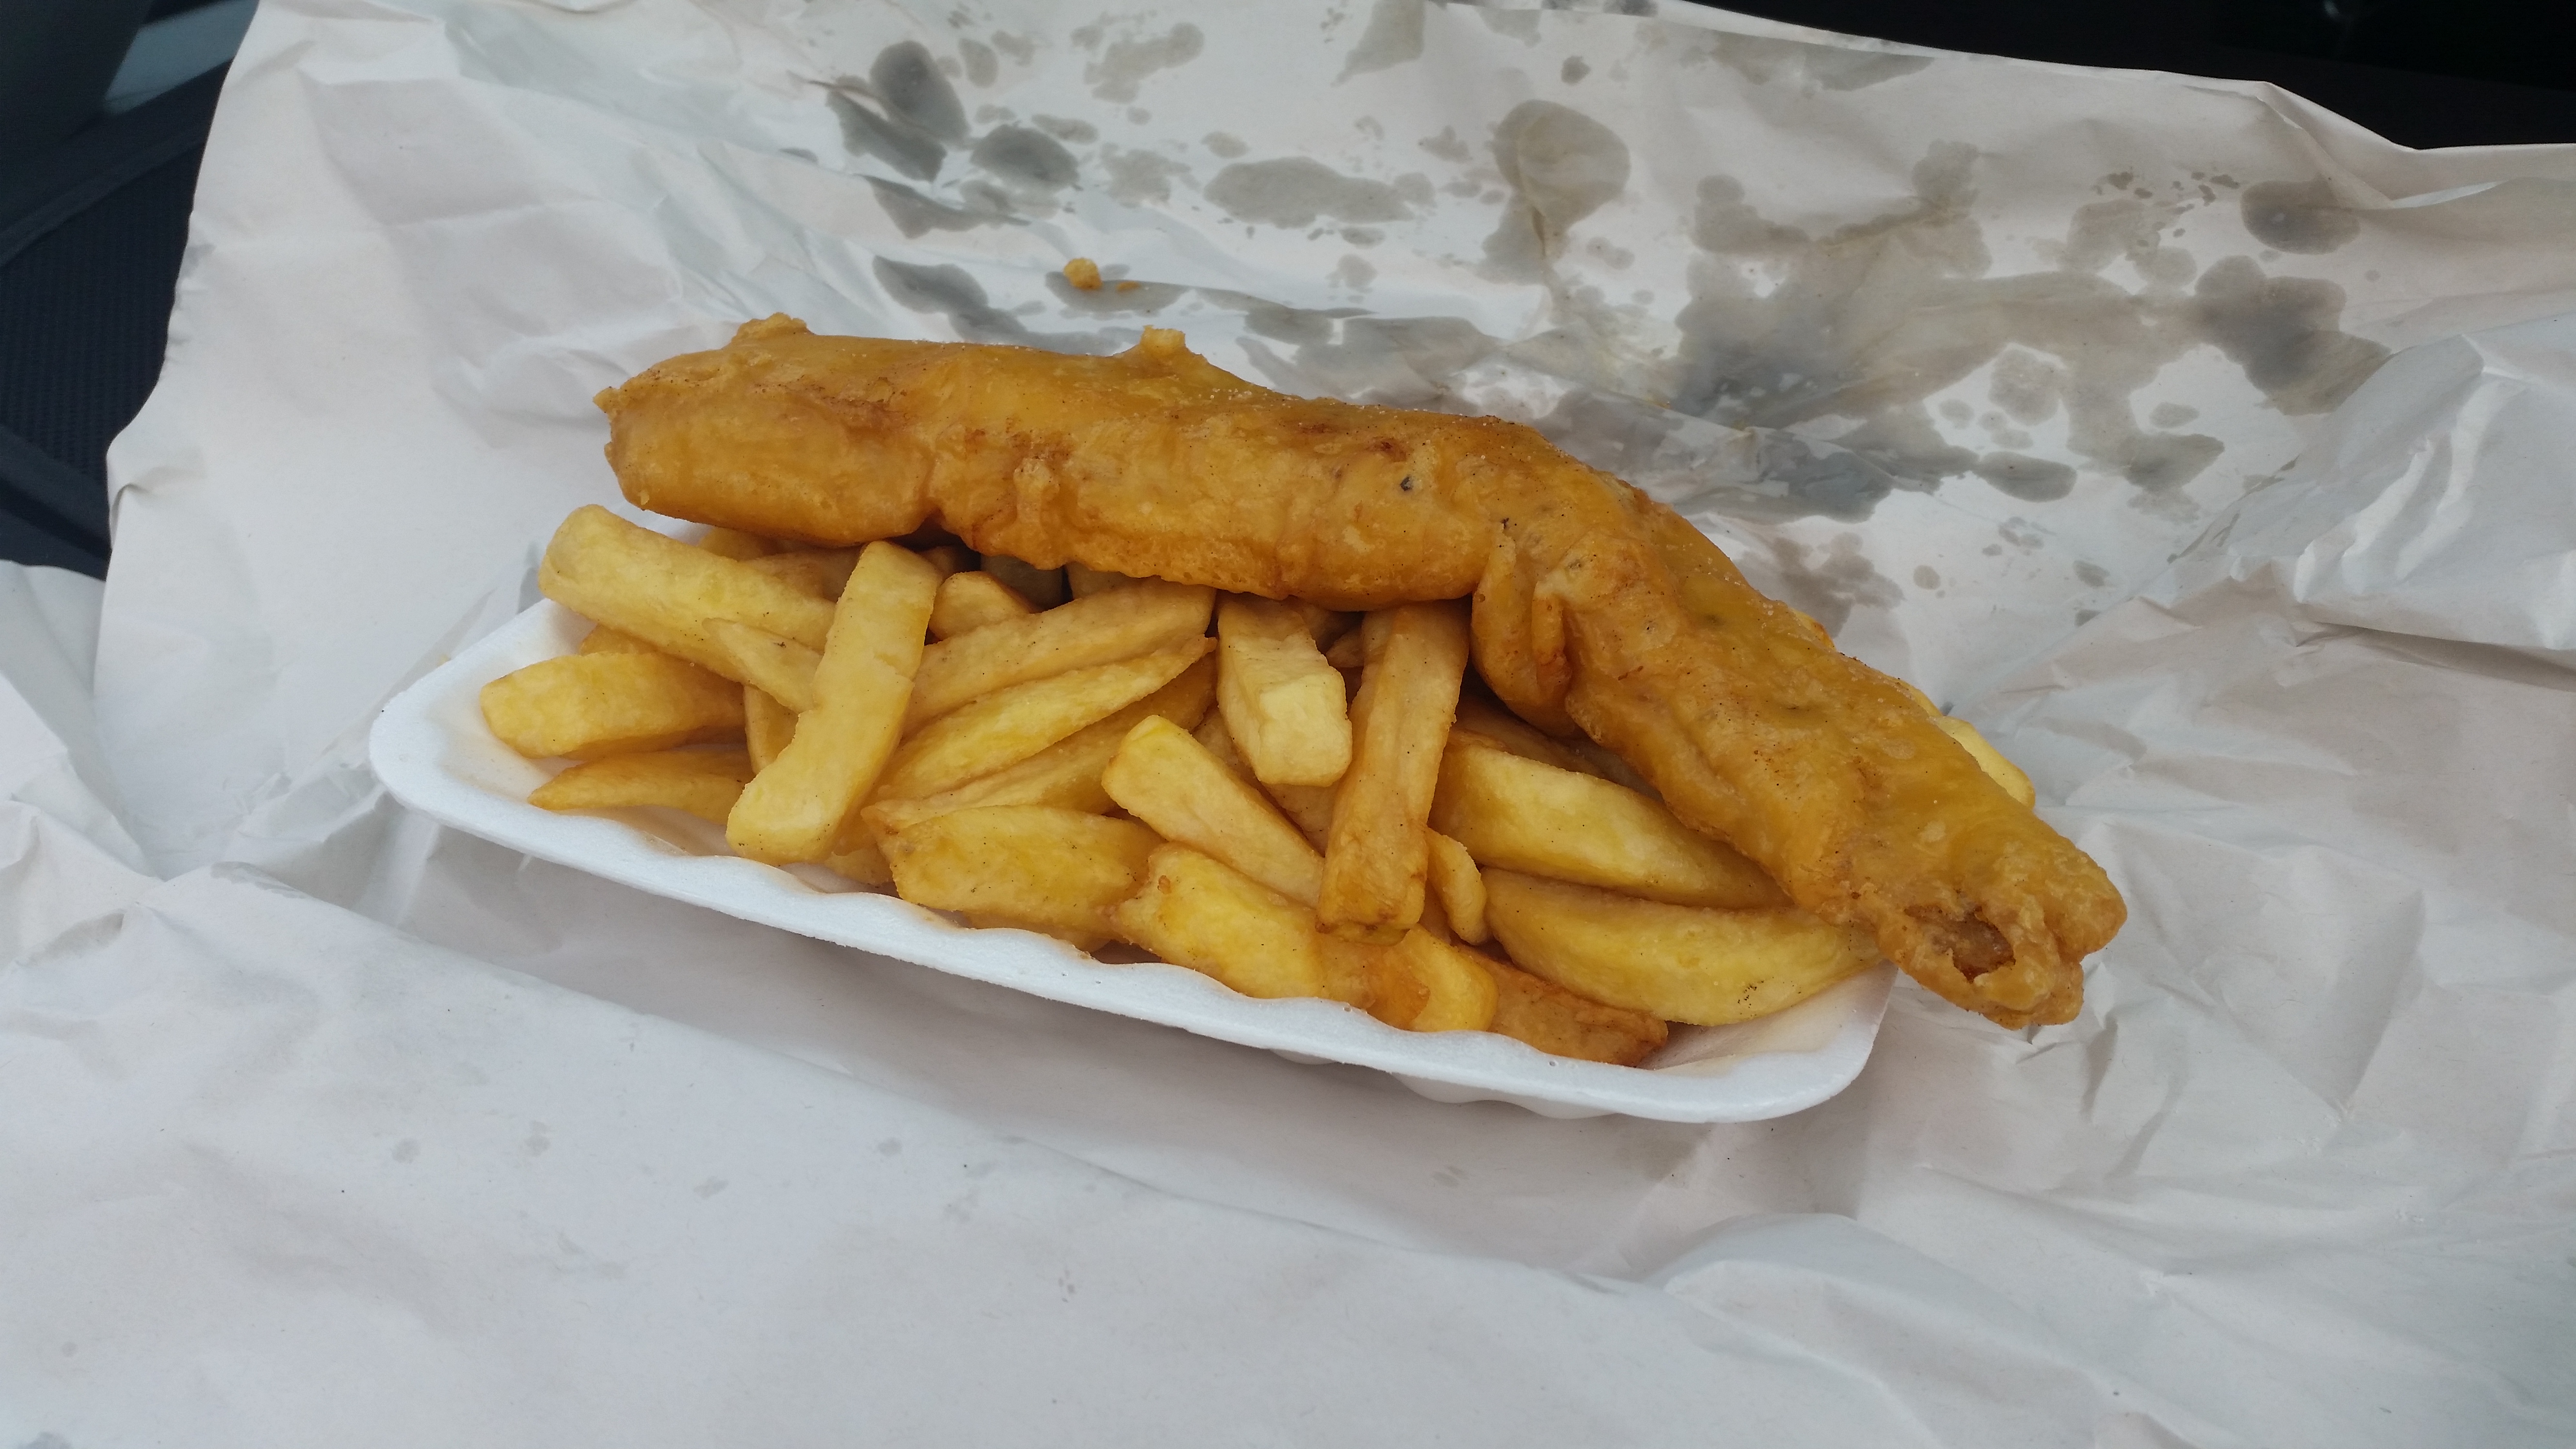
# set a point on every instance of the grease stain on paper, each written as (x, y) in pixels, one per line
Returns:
(953, 293)
(1393, 37)
(1295, 191)
(1119, 74)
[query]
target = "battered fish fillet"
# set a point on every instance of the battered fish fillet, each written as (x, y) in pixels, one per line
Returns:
(1595, 608)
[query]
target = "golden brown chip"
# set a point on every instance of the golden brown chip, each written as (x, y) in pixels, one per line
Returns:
(1101, 629)
(1545, 1015)
(1009, 725)
(702, 782)
(663, 591)
(590, 705)
(1195, 911)
(1168, 780)
(1377, 854)
(1518, 814)
(1031, 866)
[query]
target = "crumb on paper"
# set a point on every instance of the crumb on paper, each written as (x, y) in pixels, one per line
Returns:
(1084, 273)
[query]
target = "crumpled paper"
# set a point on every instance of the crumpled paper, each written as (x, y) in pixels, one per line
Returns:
(2201, 447)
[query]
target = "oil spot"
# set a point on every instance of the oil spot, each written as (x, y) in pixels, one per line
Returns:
(907, 82)
(1122, 68)
(2092, 574)
(2172, 415)
(1025, 157)
(891, 1147)
(1394, 361)
(1018, 47)
(1362, 236)
(1573, 71)
(1137, 178)
(2033, 480)
(1448, 147)
(1065, 128)
(1520, 25)
(406, 1150)
(1829, 589)
(1992, 550)
(710, 1187)
(799, 152)
(951, 292)
(2086, 616)
(1926, 577)
(1393, 37)
(537, 1141)
(1957, 411)
(1561, 166)
(2283, 331)
(1225, 144)
(982, 67)
(1297, 190)
(2298, 216)
(866, 133)
(1354, 273)
(914, 214)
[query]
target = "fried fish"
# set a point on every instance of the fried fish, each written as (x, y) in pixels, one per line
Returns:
(1596, 610)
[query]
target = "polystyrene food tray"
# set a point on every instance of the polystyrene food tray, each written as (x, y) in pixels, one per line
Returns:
(432, 750)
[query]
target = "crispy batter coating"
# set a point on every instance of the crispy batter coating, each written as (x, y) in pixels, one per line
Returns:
(1596, 609)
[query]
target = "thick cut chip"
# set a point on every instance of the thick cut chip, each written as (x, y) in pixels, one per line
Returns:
(1195, 911)
(794, 810)
(701, 782)
(1989, 759)
(781, 668)
(1544, 1015)
(821, 572)
(1010, 725)
(1324, 626)
(1065, 774)
(1681, 963)
(971, 600)
(767, 726)
(604, 640)
(1284, 705)
(1376, 857)
(1458, 886)
(1085, 582)
(1168, 780)
(863, 862)
(1031, 866)
(1480, 716)
(591, 705)
(663, 591)
(734, 543)
(948, 558)
(1518, 814)
(1452, 991)
(1043, 588)
(1308, 807)
(1101, 629)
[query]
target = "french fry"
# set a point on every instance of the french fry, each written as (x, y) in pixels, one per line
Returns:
(1350, 652)
(781, 668)
(702, 782)
(948, 558)
(1324, 626)
(1031, 866)
(1282, 702)
(1680, 963)
(1308, 807)
(1518, 814)
(1439, 986)
(793, 810)
(1545, 1015)
(1459, 888)
(1504, 730)
(1097, 630)
(1043, 588)
(767, 726)
(663, 591)
(604, 640)
(1168, 780)
(864, 862)
(1989, 759)
(1195, 911)
(818, 571)
(587, 706)
(1009, 725)
(1065, 774)
(972, 599)
(733, 543)
(1084, 582)
(1377, 854)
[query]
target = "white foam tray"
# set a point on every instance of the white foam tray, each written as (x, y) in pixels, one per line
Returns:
(432, 750)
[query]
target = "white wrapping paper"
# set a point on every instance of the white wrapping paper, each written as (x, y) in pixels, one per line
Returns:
(2206, 450)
